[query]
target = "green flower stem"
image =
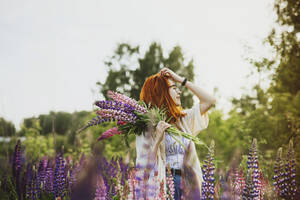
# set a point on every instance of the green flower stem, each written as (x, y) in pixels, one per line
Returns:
(173, 136)
(175, 131)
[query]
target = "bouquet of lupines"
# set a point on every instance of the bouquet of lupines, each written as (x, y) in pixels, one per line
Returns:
(132, 117)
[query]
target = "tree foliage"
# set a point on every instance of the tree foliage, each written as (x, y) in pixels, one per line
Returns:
(60, 122)
(128, 69)
(273, 115)
(7, 128)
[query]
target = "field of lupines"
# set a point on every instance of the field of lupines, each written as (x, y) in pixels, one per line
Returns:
(101, 179)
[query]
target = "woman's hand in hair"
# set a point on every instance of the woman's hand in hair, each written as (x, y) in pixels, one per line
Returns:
(160, 131)
(170, 74)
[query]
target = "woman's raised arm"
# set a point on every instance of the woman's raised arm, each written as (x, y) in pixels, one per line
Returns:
(207, 100)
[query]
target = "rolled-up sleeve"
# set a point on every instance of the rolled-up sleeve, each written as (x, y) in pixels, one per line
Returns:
(195, 120)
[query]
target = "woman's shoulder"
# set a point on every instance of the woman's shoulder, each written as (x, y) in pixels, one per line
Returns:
(191, 111)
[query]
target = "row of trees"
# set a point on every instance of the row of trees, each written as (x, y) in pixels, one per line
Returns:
(59, 122)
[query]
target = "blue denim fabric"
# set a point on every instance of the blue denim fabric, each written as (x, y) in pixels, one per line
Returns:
(177, 183)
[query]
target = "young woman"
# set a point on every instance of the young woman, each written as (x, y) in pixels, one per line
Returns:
(156, 147)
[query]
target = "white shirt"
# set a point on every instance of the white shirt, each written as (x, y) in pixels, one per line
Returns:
(175, 151)
(192, 123)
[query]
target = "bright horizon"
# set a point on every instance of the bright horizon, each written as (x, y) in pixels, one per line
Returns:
(52, 52)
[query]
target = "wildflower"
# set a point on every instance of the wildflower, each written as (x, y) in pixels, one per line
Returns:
(253, 188)
(132, 184)
(279, 173)
(29, 185)
(109, 133)
(170, 184)
(59, 180)
(100, 189)
(49, 179)
(127, 100)
(290, 169)
(238, 183)
(208, 174)
(16, 168)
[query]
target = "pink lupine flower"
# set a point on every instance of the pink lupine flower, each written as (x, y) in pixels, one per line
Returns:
(132, 184)
(127, 100)
(170, 184)
(100, 190)
(121, 123)
(109, 133)
(262, 185)
(162, 194)
(238, 183)
(117, 115)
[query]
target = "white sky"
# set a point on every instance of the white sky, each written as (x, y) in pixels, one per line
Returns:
(52, 52)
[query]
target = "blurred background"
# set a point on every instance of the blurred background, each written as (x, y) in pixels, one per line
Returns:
(58, 57)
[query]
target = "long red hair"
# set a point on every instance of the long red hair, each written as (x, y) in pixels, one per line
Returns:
(156, 91)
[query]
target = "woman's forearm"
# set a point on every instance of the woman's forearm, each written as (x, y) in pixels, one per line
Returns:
(203, 96)
(207, 100)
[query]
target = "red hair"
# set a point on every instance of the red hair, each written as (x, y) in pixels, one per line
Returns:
(156, 91)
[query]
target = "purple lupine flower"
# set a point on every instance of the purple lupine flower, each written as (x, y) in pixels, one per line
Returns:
(285, 173)
(252, 188)
(115, 105)
(208, 174)
(112, 115)
(112, 172)
(57, 177)
(23, 184)
(49, 178)
(34, 184)
(41, 176)
(290, 173)
(31, 185)
(127, 100)
(111, 111)
(124, 171)
(248, 192)
(73, 176)
(95, 121)
(279, 175)
(67, 177)
(43, 172)
(17, 159)
(62, 180)
(100, 189)
(16, 168)
(29, 181)
(38, 180)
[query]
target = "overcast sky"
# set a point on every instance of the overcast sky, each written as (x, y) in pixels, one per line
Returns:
(52, 52)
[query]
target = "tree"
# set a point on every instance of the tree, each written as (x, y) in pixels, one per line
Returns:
(273, 115)
(128, 69)
(61, 122)
(7, 128)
